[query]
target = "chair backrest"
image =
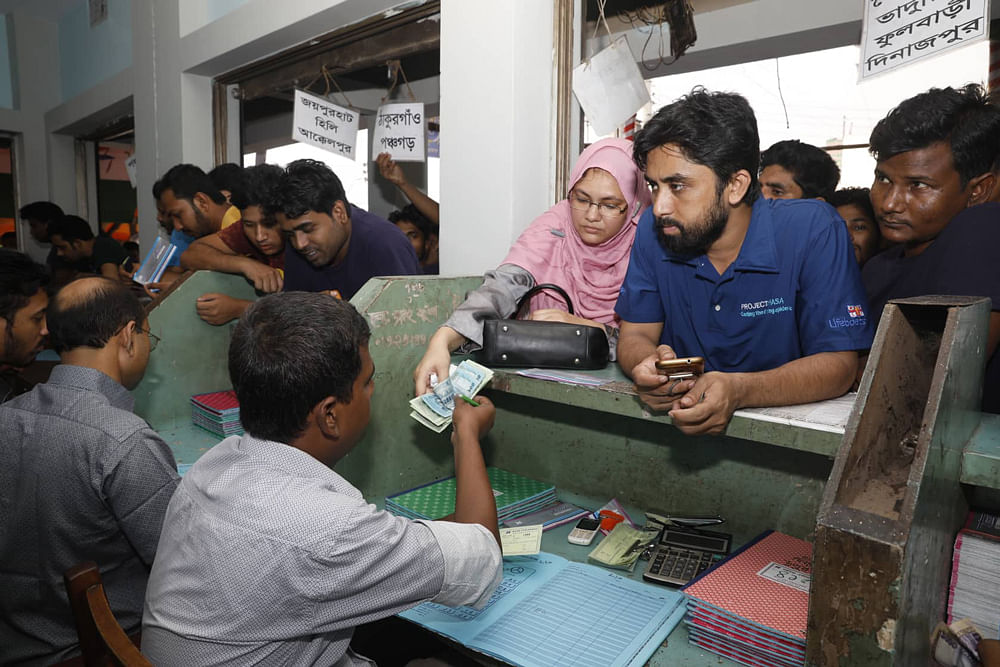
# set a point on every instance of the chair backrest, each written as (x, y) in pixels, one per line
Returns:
(102, 639)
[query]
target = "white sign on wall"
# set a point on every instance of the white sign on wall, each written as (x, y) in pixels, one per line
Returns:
(899, 32)
(610, 87)
(130, 169)
(399, 131)
(324, 124)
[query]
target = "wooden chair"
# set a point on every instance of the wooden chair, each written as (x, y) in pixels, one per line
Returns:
(102, 640)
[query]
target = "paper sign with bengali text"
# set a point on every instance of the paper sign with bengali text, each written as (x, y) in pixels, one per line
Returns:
(399, 131)
(323, 124)
(130, 168)
(900, 32)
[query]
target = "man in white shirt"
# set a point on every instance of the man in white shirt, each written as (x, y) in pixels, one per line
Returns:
(267, 555)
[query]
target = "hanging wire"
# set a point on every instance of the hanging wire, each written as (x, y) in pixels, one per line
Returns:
(396, 71)
(678, 15)
(777, 71)
(601, 18)
(328, 79)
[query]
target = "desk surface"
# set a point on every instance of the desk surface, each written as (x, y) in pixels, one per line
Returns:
(677, 650)
(814, 427)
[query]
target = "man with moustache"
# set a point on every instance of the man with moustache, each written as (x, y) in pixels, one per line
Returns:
(767, 291)
(935, 155)
(331, 245)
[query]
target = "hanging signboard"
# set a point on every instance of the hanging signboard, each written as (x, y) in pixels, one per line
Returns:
(323, 124)
(610, 87)
(899, 32)
(399, 131)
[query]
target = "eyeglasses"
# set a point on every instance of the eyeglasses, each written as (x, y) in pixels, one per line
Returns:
(605, 210)
(154, 340)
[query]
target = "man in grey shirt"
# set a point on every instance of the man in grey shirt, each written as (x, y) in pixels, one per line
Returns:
(268, 556)
(83, 478)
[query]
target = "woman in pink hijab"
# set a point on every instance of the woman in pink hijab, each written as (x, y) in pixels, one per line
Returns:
(581, 244)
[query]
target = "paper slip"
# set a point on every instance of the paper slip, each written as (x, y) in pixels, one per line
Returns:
(523, 541)
(434, 409)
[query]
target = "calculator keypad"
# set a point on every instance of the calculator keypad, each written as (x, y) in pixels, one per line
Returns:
(673, 565)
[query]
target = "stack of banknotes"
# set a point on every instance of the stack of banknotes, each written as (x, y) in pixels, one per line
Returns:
(434, 409)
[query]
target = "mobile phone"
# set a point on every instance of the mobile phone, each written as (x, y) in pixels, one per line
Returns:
(585, 530)
(682, 367)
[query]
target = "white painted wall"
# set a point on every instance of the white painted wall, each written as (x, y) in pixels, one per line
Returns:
(37, 82)
(496, 144)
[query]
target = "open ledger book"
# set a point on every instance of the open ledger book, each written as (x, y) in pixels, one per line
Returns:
(551, 611)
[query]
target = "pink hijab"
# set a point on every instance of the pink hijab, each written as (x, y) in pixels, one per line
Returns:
(552, 251)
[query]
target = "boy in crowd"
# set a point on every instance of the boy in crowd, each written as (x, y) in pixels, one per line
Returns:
(254, 247)
(935, 155)
(333, 246)
(39, 215)
(83, 477)
(23, 301)
(75, 242)
(422, 234)
(855, 206)
(191, 205)
(795, 170)
(267, 554)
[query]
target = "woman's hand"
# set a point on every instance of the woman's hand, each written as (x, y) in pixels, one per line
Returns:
(436, 360)
(556, 315)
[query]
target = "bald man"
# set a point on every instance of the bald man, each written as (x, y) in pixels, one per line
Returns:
(84, 478)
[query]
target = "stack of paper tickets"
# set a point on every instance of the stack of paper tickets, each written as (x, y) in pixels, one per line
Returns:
(434, 409)
(218, 412)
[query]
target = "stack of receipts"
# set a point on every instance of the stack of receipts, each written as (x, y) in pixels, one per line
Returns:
(434, 409)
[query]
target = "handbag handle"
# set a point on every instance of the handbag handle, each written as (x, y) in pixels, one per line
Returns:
(541, 288)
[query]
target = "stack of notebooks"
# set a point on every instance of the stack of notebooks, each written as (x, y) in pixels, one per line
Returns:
(515, 496)
(752, 607)
(218, 412)
(974, 592)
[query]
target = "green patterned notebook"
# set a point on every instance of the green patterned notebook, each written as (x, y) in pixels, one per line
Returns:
(437, 499)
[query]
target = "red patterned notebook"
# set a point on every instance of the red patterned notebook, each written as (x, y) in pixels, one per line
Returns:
(217, 401)
(765, 584)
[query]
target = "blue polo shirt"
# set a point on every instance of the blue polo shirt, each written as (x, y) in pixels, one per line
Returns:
(793, 291)
(182, 241)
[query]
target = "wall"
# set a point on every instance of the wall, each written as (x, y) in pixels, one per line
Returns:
(88, 55)
(195, 14)
(6, 75)
(496, 128)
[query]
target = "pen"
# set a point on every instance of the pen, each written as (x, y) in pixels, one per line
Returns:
(469, 401)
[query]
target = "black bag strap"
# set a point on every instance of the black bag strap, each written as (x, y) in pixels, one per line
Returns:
(537, 289)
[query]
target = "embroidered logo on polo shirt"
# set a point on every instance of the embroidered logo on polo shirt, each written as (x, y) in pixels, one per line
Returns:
(856, 318)
(771, 306)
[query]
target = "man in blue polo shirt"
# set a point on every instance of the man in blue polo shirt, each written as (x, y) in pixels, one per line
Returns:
(767, 291)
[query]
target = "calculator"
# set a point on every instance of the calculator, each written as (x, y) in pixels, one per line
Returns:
(682, 555)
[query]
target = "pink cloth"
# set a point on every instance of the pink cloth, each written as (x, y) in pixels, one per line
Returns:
(552, 251)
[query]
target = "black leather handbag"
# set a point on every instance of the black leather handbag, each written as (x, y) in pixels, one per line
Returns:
(531, 344)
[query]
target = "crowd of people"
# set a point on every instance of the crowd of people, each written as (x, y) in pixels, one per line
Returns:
(689, 241)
